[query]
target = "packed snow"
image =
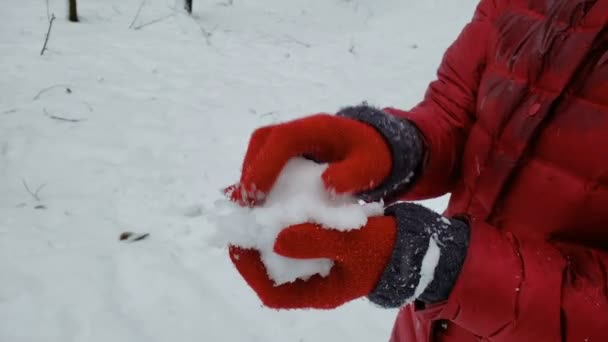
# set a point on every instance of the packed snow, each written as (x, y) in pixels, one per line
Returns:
(427, 269)
(298, 196)
(135, 129)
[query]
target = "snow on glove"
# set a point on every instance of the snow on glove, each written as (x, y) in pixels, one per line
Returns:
(298, 196)
(359, 256)
(429, 252)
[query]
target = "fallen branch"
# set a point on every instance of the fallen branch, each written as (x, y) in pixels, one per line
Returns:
(88, 106)
(141, 5)
(299, 42)
(54, 117)
(132, 237)
(51, 87)
(9, 111)
(227, 3)
(59, 118)
(267, 114)
(138, 27)
(206, 33)
(33, 193)
(351, 49)
(48, 34)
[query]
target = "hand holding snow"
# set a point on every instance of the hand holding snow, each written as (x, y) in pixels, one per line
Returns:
(298, 196)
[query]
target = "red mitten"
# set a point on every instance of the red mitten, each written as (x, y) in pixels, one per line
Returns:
(359, 157)
(360, 257)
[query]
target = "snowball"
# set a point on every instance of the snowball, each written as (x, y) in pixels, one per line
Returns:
(298, 196)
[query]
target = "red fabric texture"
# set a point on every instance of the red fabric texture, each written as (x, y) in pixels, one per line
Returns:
(516, 127)
(359, 157)
(359, 256)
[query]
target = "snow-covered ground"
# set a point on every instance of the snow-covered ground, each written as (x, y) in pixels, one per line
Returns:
(164, 112)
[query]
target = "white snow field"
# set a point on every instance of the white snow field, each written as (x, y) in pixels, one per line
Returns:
(155, 123)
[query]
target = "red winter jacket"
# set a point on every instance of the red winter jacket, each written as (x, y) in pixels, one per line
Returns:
(517, 130)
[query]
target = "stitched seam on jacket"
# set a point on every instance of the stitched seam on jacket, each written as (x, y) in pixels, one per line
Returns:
(510, 77)
(602, 268)
(543, 17)
(588, 102)
(516, 250)
(562, 169)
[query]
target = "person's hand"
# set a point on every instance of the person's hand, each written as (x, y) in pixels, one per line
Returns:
(412, 253)
(360, 257)
(358, 156)
(372, 154)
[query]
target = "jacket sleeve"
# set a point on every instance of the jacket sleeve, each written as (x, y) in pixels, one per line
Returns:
(447, 112)
(517, 289)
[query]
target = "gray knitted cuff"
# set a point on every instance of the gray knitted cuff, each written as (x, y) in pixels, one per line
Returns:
(406, 146)
(406, 277)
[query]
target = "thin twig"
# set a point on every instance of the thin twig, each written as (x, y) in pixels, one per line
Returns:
(59, 118)
(352, 50)
(227, 3)
(267, 114)
(48, 34)
(9, 111)
(54, 117)
(141, 5)
(48, 16)
(299, 42)
(49, 88)
(88, 106)
(141, 237)
(33, 193)
(206, 33)
(138, 27)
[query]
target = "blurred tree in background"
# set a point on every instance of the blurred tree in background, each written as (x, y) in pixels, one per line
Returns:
(72, 11)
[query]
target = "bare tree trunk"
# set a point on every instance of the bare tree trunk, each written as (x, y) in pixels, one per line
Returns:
(72, 11)
(188, 6)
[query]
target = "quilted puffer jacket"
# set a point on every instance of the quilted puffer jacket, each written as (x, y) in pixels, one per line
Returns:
(516, 127)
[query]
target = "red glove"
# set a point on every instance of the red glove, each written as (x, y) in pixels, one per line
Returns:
(360, 257)
(359, 157)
